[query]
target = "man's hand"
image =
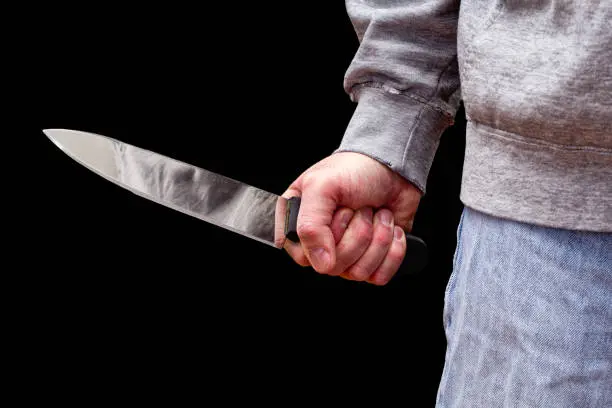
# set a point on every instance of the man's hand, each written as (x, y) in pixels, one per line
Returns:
(353, 217)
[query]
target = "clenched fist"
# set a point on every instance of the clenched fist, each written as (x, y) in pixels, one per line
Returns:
(353, 217)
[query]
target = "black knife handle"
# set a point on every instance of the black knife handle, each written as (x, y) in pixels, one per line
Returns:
(416, 257)
(293, 208)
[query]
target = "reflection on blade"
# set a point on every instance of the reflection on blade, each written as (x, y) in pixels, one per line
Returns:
(197, 192)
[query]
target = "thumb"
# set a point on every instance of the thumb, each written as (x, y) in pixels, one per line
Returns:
(314, 227)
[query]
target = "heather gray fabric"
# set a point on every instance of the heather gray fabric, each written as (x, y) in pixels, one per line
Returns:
(536, 81)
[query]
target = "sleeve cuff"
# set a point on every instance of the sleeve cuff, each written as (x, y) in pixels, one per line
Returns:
(399, 130)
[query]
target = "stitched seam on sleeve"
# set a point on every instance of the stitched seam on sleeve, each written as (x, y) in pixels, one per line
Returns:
(417, 120)
(393, 91)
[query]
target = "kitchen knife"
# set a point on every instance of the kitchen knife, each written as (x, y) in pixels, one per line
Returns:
(208, 196)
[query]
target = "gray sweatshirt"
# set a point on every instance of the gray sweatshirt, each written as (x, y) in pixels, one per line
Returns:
(536, 81)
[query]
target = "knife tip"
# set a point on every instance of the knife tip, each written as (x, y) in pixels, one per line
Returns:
(54, 135)
(49, 132)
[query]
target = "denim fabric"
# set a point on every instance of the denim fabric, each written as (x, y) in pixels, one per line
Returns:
(528, 317)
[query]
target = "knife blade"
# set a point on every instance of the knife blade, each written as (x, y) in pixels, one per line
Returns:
(208, 196)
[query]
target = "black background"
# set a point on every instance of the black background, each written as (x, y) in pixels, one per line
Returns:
(123, 294)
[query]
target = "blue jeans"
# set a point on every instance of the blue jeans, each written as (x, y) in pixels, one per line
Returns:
(528, 317)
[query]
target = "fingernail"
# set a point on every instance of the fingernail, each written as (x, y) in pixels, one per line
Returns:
(386, 217)
(320, 258)
(399, 233)
(366, 213)
(346, 218)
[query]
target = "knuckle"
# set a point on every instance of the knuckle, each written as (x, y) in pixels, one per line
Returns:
(308, 180)
(343, 247)
(383, 238)
(315, 181)
(307, 230)
(320, 182)
(364, 233)
(396, 255)
(382, 281)
(382, 276)
(358, 272)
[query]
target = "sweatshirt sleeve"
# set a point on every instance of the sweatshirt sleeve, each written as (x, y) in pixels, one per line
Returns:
(404, 78)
